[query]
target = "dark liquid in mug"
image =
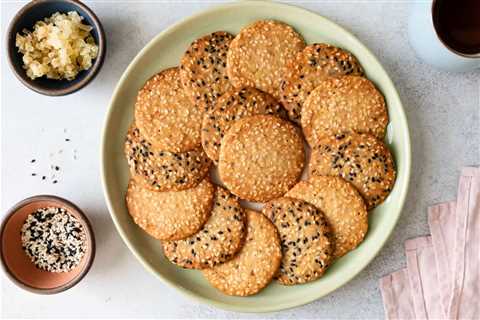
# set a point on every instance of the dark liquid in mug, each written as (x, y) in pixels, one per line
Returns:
(457, 23)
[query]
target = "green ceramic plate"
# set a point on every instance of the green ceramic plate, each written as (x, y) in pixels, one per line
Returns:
(165, 51)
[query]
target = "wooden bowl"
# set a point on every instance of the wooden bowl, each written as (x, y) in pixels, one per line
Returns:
(38, 10)
(17, 264)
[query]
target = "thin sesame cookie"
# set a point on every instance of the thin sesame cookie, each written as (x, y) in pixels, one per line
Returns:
(341, 105)
(261, 157)
(315, 63)
(202, 68)
(164, 170)
(219, 239)
(342, 206)
(234, 105)
(361, 159)
(165, 114)
(255, 265)
(170, 215)
(306, 239)
(259, 54)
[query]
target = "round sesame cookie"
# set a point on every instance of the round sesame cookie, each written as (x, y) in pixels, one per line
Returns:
(259, 54)
(261, 157)
(344, 104)
(165, 114)
(361, 159)
(315, 63)
(306, 239)
(219, 239)
(256, 263)
(342, 206)
(164, 170)
(170, 215)
(202, 69)
(233, 105)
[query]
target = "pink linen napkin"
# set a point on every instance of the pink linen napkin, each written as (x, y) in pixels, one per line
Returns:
(465, 299)
(422, 271)
(397, 297)
(442, 279)
(441, 218)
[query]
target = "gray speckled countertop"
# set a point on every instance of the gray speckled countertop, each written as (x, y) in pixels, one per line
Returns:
(442, 109)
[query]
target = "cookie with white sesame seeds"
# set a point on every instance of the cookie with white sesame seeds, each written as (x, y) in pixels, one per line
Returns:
(315, 63)
(202, 69)
(261, 157)
(342, 206)
(234, 105)
(220, 238)
(344, 104)
(170, 215)
(165, 114)
(258, 55)
(306, 238)
(162, 170)
(361, 159)
(255, 264)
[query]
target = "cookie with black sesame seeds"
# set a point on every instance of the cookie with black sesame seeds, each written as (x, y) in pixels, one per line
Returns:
(315, 63)
(254, 266)
(234, 105)
(165, 114)
(170, 215)
(361, 159)
(220, 238)
(261, 157)
(164, 170)
(342, 206)
(202, 68)
(306, 239)
(258, 55)
(344, 104)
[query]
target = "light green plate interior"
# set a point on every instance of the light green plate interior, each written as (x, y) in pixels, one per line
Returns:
(165, 51)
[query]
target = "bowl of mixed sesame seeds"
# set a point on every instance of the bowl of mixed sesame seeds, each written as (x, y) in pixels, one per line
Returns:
(46, 244)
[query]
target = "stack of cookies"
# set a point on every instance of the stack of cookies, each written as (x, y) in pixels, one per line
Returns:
(244, 104)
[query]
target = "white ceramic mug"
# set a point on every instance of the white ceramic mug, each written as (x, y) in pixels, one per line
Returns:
(428, 46)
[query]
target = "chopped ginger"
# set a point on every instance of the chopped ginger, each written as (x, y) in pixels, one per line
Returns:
(59, 47)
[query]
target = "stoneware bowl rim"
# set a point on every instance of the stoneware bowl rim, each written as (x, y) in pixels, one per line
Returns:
(73, 87)
(91, 252)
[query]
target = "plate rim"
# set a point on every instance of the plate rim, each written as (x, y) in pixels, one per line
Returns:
(219, 304)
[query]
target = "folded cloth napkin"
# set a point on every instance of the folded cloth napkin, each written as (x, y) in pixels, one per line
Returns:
(465, 299)
(397, 296)
(442, 279)
(423, 277)
(441, 218)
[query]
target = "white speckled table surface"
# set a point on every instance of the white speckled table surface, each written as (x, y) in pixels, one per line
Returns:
(442, 109)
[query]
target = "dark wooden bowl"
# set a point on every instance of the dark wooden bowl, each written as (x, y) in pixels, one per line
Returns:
(18, 266)
(38, 10)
